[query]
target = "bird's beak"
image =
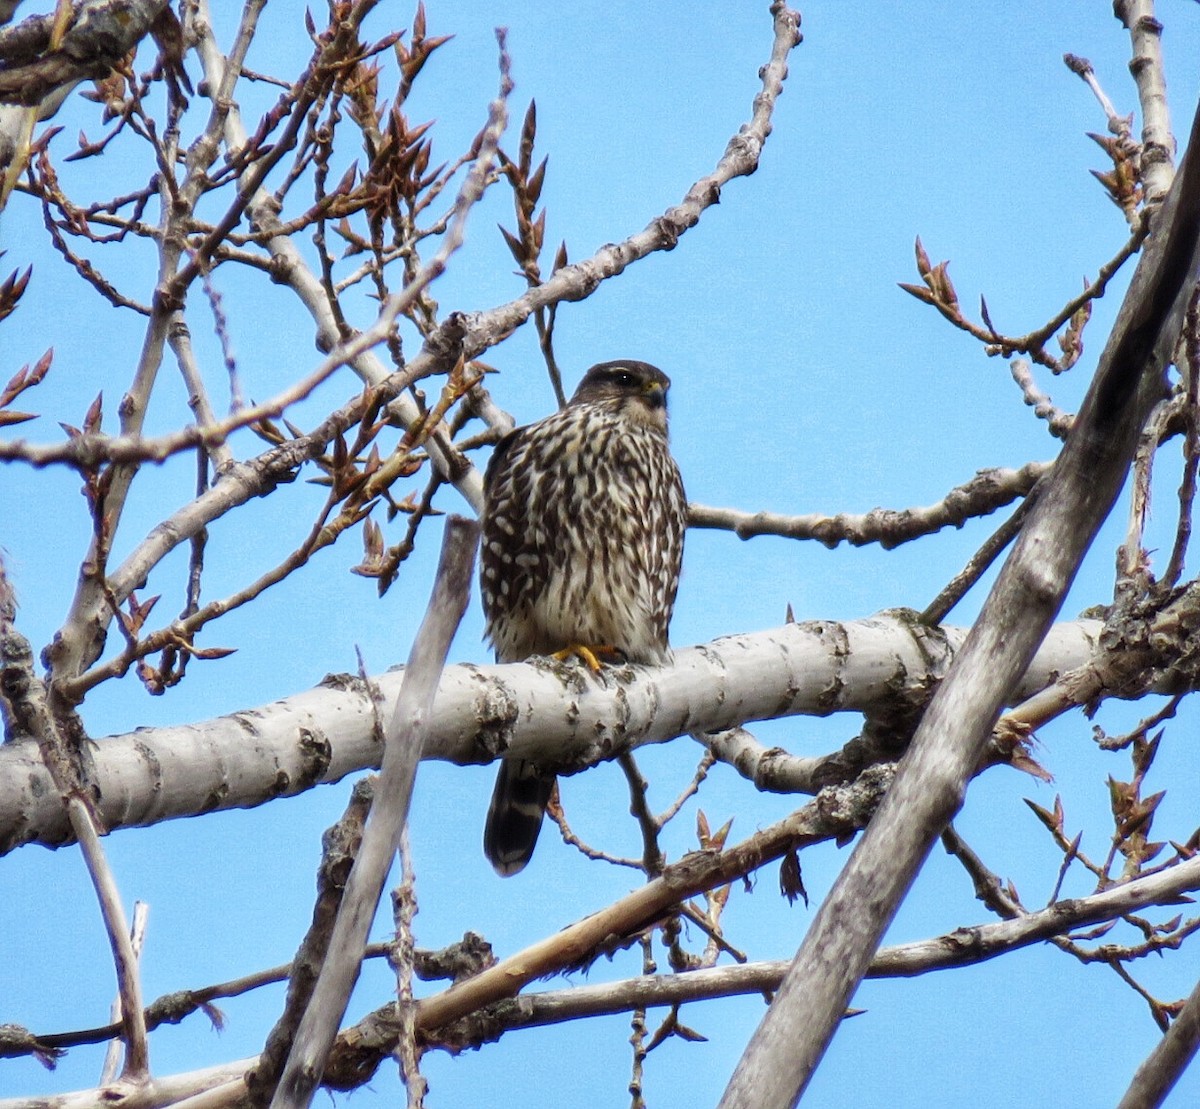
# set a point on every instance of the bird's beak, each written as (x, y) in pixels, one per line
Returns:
(655, 395)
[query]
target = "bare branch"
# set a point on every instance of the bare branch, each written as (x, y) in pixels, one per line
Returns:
(771, 769)
(402, 751)
(945, 751)
(137, 1056)
(482, 711)
(1057, 421)
(987, 491)
(1158, 143)
(961, 948)
(137, 937)
(961, 584)
(29, 707)
(580, 279)
(1171, 1056)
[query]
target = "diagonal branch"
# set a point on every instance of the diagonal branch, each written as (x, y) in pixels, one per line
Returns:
(1078, 494)
(1170, 1058)
(25, 699)
(402, 751)
(364, 1045)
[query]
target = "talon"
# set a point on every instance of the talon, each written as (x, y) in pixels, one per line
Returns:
(592, 657)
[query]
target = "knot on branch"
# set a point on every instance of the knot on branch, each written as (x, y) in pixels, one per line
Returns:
(100, 34)
(1149, 643)
(848, 808)
(460, 960)
(16, 1040)
(445, 343)
(496, 715)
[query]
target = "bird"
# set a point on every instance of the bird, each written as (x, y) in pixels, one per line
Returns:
(583, 521)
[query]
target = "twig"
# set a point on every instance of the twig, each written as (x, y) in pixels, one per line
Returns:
(943, 604)
(1123, 183)
(988, 887)
(554, 812)
(180, 339)
(174, 1007)
(137, 1057)
(112, 1057)
(1082, 68)
(1146, 65)
(690, 790)
(938, 290)
(1140, 730)
(578, 280)
(1133, 570)
(653, 859)
(637, 1037)
(1057, 421)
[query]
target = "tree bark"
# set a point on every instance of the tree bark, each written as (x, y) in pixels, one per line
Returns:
(930, 785)
(253, 756)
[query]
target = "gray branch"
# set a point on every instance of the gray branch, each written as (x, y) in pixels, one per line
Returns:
(99, 34)
(539, 710)
(404, 739)
(930, 784)
(987, 491)
(1169, 1059)
(960, 948)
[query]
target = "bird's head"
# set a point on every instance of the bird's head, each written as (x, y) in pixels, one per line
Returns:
(637, 390)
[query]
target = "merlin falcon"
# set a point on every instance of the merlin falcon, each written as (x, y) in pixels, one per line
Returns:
(583, 521)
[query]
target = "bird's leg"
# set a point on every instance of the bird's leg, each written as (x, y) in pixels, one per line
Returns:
(593, 657)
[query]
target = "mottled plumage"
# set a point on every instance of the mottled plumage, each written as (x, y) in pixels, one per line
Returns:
(583, 522)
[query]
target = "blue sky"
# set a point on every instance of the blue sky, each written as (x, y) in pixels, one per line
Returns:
(804, 381)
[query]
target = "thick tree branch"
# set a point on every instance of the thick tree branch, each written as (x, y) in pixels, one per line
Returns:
(291, 745)
(945, 751)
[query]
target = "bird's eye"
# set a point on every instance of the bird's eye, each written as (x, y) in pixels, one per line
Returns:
(623, 378)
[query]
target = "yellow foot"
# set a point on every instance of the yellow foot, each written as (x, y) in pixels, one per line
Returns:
(592, 657)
